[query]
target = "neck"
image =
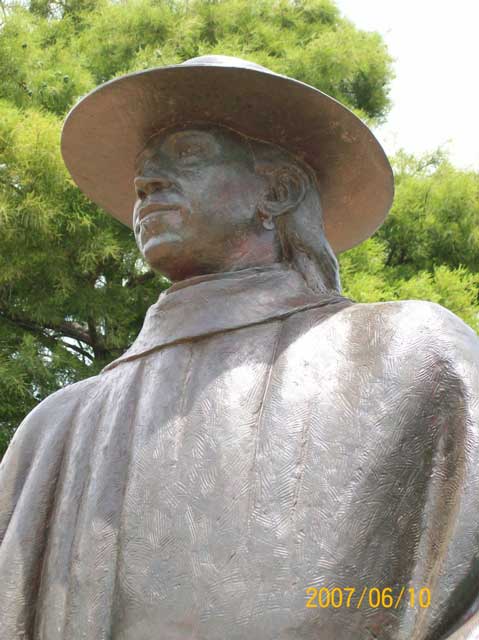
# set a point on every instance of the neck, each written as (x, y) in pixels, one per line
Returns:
(227, 274)
(237, 254)
(261, 251)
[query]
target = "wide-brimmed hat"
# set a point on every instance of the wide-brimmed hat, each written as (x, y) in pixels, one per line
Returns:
(106, 130)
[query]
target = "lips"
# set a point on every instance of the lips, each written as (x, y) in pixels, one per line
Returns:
(150, 217)
(154, 208)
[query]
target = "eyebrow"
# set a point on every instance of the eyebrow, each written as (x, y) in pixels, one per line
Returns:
(169, 144)
(192, 134)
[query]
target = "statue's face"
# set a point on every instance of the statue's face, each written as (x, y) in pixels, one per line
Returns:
(197, 194)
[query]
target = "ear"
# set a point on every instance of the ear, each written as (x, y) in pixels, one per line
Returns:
(286, 190)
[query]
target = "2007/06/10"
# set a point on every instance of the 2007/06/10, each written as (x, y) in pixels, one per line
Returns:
(344, 597)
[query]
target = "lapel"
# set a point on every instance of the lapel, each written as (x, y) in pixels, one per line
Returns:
(205, 305)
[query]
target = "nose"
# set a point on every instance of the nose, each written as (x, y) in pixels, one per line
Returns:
(145, 186)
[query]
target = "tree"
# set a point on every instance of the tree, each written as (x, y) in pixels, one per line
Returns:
(428, 248)
(73, 287)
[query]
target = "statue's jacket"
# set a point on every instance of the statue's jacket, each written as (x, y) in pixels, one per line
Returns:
(257, 439)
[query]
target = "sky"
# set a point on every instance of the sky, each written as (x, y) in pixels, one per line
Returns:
(435, 95)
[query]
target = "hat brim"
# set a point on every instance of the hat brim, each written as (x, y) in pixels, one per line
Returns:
(103, 134)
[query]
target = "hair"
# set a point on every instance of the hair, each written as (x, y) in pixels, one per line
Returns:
(301, 231)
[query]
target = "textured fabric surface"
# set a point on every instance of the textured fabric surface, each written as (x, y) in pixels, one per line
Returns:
(196, 488)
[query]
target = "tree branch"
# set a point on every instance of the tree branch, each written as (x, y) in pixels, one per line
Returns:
(70, 329)
(49, 341)
(77, 349)
(97, 343)
(133, 281)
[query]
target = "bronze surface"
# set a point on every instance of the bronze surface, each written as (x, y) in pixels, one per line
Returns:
(263, 434)
(199, 485)
(106, 130)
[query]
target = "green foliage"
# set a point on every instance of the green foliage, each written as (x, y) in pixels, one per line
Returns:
(71, 297)
(428, 248)
(73, 288)
(38, 68)
(52, 52)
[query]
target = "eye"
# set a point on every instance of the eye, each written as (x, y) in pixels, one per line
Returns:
(141, 195)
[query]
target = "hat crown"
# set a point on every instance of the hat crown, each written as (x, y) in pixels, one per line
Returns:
(224, 61)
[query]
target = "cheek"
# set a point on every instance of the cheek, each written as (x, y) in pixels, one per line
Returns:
(226, 194)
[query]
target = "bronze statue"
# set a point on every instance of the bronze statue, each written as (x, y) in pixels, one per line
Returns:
(269, 460)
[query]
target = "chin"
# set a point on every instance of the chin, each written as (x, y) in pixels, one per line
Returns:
(174, 267)
(164, 254)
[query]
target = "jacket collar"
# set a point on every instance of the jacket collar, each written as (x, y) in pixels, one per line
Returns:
(205, 305)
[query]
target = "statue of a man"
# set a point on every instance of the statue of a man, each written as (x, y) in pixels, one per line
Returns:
(269, 460)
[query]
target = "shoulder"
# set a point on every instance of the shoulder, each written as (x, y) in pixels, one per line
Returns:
(67, 397)
(414, 331)
(414, 320)
(51, 418)
(423, 336)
